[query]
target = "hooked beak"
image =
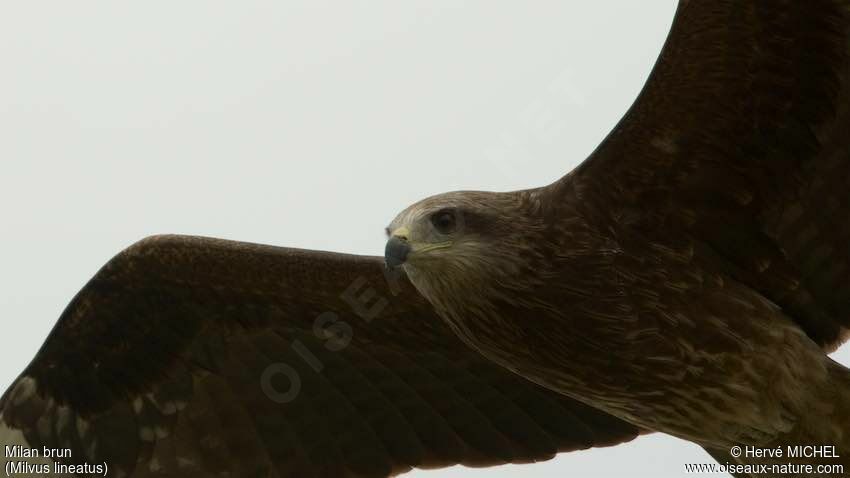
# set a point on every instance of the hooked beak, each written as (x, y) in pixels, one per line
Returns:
(397, 249)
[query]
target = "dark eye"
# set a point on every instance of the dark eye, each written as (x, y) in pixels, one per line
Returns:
(444, 221)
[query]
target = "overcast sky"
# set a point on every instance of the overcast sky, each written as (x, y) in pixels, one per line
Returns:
(295, 123)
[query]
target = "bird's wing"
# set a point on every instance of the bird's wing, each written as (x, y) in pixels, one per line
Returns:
(189, 357)
(741, 140)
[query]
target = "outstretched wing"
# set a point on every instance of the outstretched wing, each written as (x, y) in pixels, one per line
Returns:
(189, 357)
(740, 140)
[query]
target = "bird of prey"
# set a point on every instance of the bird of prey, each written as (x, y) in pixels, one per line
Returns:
(689, 277)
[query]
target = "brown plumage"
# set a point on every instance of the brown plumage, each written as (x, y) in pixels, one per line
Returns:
(689, 278)
(200, 357)
(691, 274)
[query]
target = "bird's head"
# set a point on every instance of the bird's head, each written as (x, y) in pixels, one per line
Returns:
(458, 242)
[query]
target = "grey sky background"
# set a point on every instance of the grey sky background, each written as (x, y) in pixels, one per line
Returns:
(295, 123)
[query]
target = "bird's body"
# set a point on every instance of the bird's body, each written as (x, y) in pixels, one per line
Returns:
(645, 315)
(689, 277)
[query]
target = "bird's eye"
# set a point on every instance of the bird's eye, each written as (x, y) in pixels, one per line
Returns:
(444, 221)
